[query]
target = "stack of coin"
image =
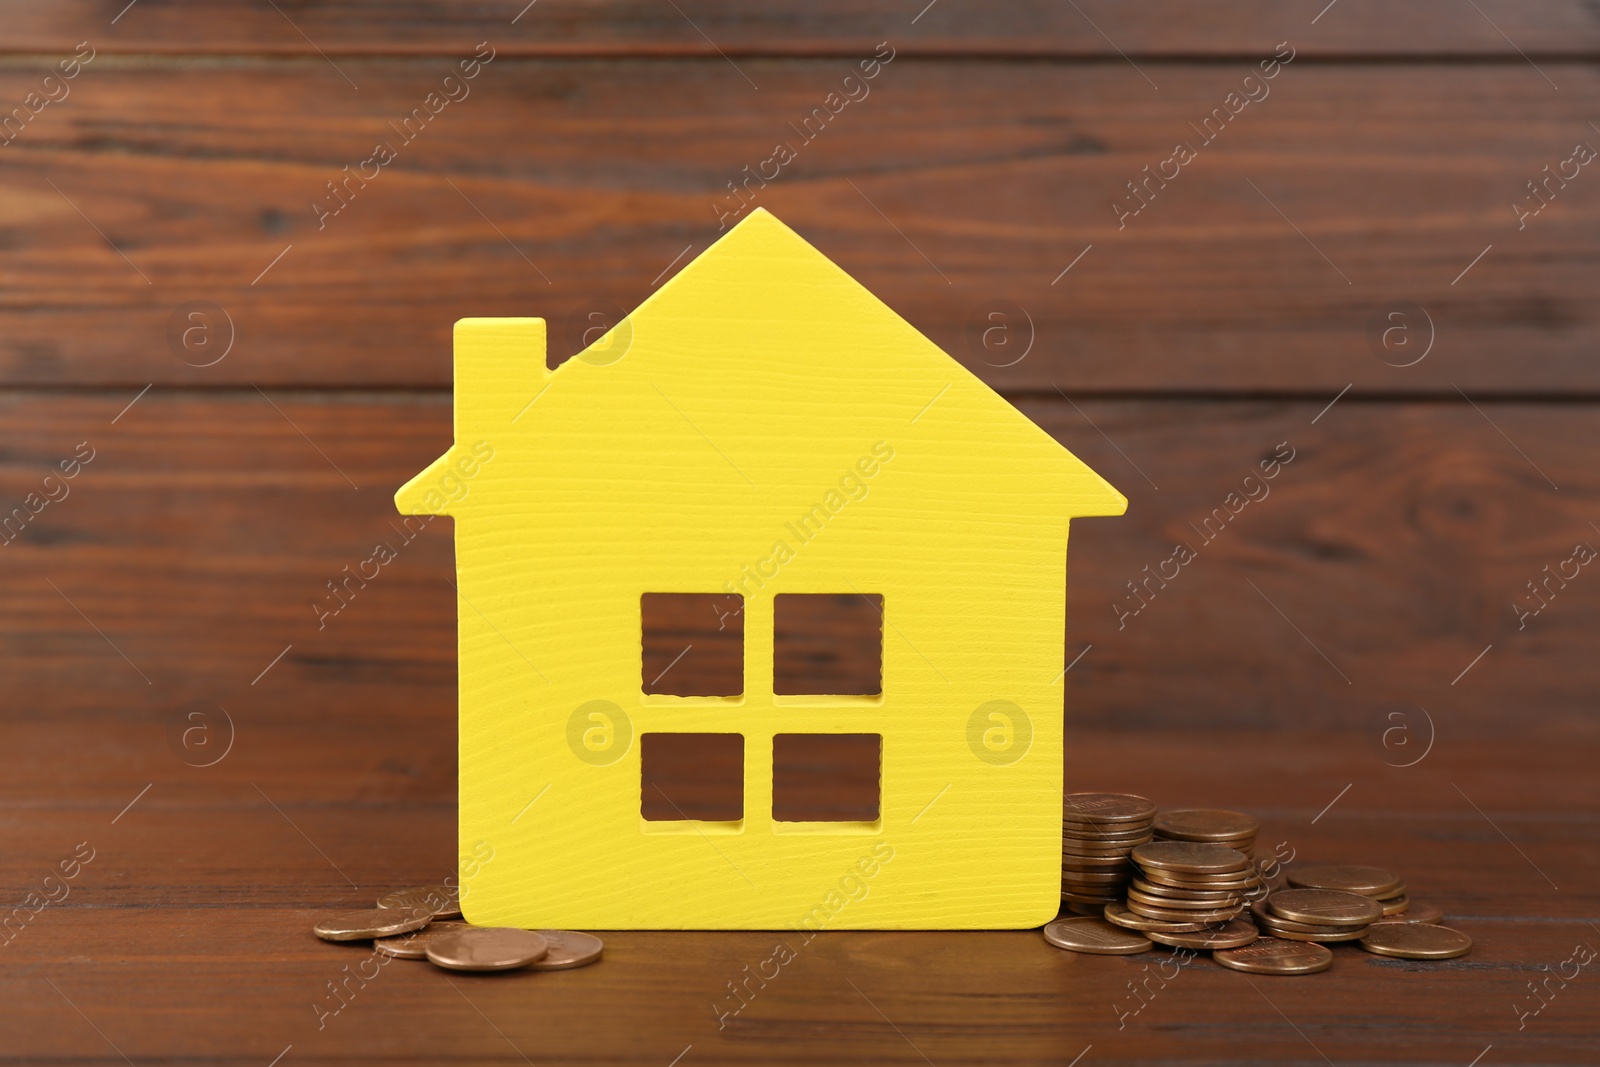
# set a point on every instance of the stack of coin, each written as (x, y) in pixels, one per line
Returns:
(1320, 915)
(1386, 887)
(417, 924)
(1098, 831)
(1232, 828)
(1189, 893)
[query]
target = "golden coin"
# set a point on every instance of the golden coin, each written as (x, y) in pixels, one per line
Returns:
(1206, 824)
(493, 948)
(1420, 913)
(414, 946)
(1102, 808)
(1272, 956)
(1190, 857)
(1179, 915)
(370, 923)
(1324, 907)
(1416, 941)
(1094, 936)
(442, 900)
(1349, 877)
(1233, 934)
(1118, 913)
(568, 950)
(1395, 905)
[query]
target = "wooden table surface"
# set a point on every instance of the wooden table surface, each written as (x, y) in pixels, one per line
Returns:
(1385, 659)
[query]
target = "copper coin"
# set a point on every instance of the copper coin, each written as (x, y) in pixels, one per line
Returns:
(442, 900)
(1272, 956)
(1095, 910)
(1262, 916)
(414, 946)
(1156, 889)
(1234, 880)
(1397, 891)
(493, 948)
(1176, 915)
(1184, 904)
(1420, 913)
(1085, 878)
(1416, 941)
(1101, 808)
(1331, 937)
(1395, 905)
(1119, 914)
(370, 923)
(1324, 907)
(1206, 824)
(1096, 863)
(1073, 896)
(1190, 857)
(1094, 936)
(1349, 877)
(1076, 848)
(568, 950)
(1234, 934)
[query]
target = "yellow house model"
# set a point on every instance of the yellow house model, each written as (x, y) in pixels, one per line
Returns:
(761, 427)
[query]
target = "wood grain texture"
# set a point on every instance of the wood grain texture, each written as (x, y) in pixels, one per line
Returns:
(571, 189)
(1093, 28)
(203, 535)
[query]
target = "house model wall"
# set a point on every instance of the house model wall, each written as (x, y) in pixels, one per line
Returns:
(690, 451)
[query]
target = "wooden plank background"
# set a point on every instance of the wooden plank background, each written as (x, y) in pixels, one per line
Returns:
(1375, 589)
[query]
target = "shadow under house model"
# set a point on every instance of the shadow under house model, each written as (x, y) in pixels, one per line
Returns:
(761, 427)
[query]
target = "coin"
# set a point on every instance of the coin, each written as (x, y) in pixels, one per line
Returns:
(1420, 913)
(1328, 938)
(1073, 896)
(568, 950)
(1096, 910)
(1192, 857)
(1094, 936)
(1119, 914)
(1349, 877)
(1324, 907)
(370, 923)
(442, 900)
(1395, 905)
(1262, 916)
(1205, 824)
(1272, 956)
(1100, 808)
(1156, 889)
(1234, 934)
(1150, 911)
(1240, 880)
(1095, 863)
(1184, 903)
(1416, 941)
(494, 948)
(414, 946)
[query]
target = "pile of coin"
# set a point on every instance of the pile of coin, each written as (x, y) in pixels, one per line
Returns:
(1098, 831)
(423, 923)
(1184, 879)
(1232, 828)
